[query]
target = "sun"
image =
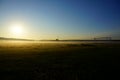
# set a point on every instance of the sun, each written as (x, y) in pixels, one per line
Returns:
(17, 29)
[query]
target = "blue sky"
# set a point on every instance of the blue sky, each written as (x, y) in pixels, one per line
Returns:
(68, 19)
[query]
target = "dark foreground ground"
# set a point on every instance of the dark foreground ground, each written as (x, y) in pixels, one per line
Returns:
(59, 61)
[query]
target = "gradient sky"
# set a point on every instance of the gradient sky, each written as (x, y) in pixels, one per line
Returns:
(68, 19)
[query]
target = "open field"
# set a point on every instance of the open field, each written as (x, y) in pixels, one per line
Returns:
(22, 60)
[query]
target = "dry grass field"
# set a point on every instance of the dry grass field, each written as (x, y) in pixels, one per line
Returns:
(22, 60)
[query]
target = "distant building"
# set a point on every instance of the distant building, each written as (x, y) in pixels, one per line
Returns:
(103, 38)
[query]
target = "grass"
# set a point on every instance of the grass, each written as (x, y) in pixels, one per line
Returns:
(58, 61)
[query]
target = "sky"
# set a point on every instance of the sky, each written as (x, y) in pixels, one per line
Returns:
(65, 19)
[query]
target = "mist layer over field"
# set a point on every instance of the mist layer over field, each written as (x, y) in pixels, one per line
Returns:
(45, 60)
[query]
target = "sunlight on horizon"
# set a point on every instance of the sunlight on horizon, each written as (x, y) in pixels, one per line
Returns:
(47, 19)
(17, 30)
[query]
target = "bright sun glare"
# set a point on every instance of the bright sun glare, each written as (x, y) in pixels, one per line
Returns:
(17, 29)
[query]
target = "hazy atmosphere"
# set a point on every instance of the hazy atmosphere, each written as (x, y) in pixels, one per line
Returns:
(59, 39)
(66, 19)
